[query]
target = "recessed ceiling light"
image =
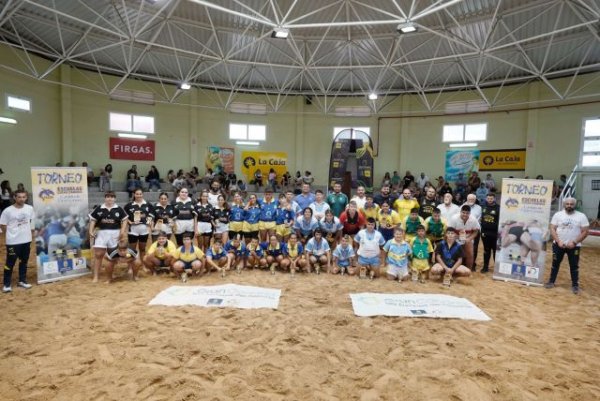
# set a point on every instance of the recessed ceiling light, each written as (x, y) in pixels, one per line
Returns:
(372, 96)
(132, 136)
(406, 27)
(185, 86)
(463, 145)
(280, 33)
(8, 120)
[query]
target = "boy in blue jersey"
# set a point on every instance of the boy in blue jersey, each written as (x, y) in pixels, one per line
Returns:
(318, 252)
(216, 257)
(343, 256)
(397, 252)
(236, 253)
(273, 251)
(284, 219)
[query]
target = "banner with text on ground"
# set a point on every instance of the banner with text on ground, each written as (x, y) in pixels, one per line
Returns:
(60, 201)
(219, 159)
(219, 296)
(263, 161)
(523, 230)
(415, 305)
(502, 160)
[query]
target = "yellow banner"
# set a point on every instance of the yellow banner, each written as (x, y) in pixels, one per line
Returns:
(503, 159)
(264, 161)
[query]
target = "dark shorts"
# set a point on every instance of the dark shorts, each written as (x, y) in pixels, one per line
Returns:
(133, 239)
(517, 231)
(251, 234)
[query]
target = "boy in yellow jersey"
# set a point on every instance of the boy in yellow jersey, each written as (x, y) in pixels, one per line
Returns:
(421, 251)
(371, 209)
(405, 204)
(188, 259)
(160, 254)
(387, 219)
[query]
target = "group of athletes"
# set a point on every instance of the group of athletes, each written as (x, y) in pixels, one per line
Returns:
(366, 236)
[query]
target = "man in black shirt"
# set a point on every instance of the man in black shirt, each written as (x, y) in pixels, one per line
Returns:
(490, 213)
(428, 203)
(385, 195)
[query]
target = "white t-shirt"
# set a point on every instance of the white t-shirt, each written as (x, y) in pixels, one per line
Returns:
(360, 202)
(19, 223)
(369, 243)
(448, 211)
(475, 210)
(464, 228)
(568, 226)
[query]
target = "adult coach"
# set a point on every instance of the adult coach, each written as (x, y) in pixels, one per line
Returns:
(568, 228)
(16, 222)
(337, 200)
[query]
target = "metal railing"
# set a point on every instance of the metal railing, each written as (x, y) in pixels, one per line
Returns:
(568, 190)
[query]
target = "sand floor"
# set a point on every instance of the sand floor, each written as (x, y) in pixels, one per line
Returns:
(75, 340)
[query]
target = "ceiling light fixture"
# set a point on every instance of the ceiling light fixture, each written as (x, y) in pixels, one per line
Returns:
(8, 120)
(185, 86)
(132, 136)
(463, 145)
(280, 33)
(406, 27)
(247, 143)
(372, 96)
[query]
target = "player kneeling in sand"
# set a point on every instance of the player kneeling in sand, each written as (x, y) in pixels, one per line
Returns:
(293, 258)
(217, 258)
(421, 249)
(343, 257)
(397, 253)
(237, 253)
(255, 258)
(123, 255)
(369, 252)
(273, 253)
(318, 252)
(449, 258)
(188, 259)
(160, 254)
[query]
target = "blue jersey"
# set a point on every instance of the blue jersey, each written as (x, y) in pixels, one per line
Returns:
(306, 227)
(252, 215)
(330, 227)
(343, 254)
(236, 213)
(214, 254)
(317, 248)
(268, 210)
(293, 251)
(272, 250)
(239, 251)
(283, 216)
(258, 250)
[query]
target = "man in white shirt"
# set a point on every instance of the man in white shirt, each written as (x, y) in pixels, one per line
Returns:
(568, 229)
(468, 228)
(422, 180)
(16, 222)
(360, 198)
(447, 208)
(476, 213)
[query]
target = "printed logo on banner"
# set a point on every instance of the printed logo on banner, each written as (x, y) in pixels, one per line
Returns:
(46, 194)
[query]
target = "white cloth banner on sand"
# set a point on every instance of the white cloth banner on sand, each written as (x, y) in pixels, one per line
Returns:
(415, 305)
(219, 296)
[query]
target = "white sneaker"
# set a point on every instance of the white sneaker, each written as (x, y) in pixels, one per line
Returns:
(6, 289)
(25, 285)
(184, 277)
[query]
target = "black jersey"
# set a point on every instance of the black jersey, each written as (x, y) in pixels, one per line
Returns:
(205, 213)
(184, 210)
(139, 213)
(490, 215)
(221, 215)
(426, 207)
(108, 219)
(164, 213)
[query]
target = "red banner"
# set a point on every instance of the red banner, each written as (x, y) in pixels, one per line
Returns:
(131, 149)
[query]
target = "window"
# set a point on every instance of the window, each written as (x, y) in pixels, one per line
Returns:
(352, 111)
(129, 123)
(590, 145)
(248, 108)
(465, 133)
(247, 134)
(18, 103)
(366, 130)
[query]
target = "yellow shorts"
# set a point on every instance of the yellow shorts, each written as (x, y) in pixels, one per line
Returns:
(236, 226)
(248, 228)
(420, 264)
(283, 230)
(267, 225)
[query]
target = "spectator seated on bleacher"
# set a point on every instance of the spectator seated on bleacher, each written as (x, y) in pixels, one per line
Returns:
(153, 178)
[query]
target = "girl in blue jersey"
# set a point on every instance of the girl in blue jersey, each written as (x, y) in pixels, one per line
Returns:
(237, 253)
(273, 252)
(332, 228)
(251, 218)
(305, 225)
(293, 255)
(284, 217)
(256, 256)
(236, 216)
(268, 208)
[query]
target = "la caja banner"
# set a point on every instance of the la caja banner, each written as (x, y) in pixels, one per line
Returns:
(132, 149)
